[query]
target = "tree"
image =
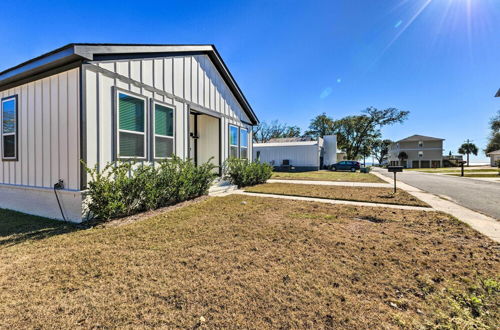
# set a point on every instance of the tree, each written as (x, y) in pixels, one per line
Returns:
(320, 126)
(356, 134)
(380, 149)
(468, 148)
(264, 132)
(494, 140)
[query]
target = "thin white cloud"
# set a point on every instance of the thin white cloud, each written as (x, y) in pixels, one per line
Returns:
(325, 93)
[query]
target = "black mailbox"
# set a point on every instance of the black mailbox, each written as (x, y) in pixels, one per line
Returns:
(395, 169)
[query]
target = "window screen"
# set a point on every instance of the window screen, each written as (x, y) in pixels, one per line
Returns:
(233, 142)
(243, 143)
(164, 131)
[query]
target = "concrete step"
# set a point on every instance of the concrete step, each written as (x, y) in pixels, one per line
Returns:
(221, 187)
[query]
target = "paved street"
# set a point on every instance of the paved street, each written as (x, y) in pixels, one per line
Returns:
(481, 196)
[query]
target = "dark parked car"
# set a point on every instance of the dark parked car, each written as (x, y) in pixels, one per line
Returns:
(345, 165)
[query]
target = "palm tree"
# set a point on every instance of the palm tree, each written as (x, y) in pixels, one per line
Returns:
(402, 157)
(468, 148)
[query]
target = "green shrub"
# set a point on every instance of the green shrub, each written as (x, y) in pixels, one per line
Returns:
(125, 188)
(242, 172)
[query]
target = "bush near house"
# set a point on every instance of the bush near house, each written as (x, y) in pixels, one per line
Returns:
(125, 188)
(242, 172)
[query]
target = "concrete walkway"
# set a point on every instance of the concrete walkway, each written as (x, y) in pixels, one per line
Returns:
(334, 201)
(334, 183)
(486, 225)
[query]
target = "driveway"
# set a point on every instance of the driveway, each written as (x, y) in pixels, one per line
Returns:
(481, 196)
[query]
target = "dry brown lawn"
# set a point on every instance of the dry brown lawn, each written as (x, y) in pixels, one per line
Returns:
(250, 262)
(325, 175)
(359, 194)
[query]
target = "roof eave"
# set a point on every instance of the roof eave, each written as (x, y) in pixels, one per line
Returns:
(52, 60)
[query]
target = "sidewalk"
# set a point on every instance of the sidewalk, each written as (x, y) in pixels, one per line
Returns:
(482, 223)
(333, 183)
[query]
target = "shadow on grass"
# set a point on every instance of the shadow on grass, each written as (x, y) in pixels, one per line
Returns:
(16, 227)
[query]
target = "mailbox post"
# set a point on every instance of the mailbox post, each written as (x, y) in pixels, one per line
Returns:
(395, 169)
(462, 163)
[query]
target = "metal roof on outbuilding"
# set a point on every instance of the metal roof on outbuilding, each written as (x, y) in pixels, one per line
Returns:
(80, 52)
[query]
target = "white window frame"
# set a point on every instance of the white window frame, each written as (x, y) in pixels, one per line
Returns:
(237, 145)
(15, 134)
(153, 127)
(420, 154)
(119, 91)
(239, 141)
(420, 144)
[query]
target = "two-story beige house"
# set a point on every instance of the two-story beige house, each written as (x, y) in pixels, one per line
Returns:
(421, 151)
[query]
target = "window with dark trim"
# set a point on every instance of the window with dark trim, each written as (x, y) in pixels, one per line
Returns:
(131, 120)
(9, 128)
(243, 143)
(233, 142)
(163, 131)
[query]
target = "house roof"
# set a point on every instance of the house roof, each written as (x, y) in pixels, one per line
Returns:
(498, 93)
(291, 139)
(76, 52)
(496, 152)
(286, 144)
(417, 137)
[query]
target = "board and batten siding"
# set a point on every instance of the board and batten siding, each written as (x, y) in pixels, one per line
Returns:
(48, 133)
(181, 81)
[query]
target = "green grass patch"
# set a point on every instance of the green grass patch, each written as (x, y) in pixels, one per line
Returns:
(326, 175)
(16, 227)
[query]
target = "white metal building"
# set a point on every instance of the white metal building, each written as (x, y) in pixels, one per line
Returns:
(494, 157)
(105, 102)
(302, 155)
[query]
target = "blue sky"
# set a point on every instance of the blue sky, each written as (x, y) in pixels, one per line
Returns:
(439, 59)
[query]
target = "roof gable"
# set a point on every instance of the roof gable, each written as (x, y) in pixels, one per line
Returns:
(417, 137)
(90, 52)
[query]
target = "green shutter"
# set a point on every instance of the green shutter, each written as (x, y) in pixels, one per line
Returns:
(164, 120)
(131, 145)
(131, 113)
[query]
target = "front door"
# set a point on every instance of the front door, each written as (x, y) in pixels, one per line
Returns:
(204, 139)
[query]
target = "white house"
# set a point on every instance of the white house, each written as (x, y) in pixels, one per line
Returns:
(494, 157)
(300, 154)
(105, 102)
